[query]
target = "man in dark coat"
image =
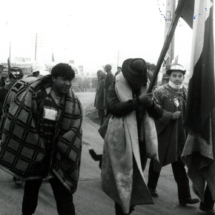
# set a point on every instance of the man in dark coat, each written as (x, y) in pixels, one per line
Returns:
(171, 134)
(107, 83)
(130, 105)
(99, 99)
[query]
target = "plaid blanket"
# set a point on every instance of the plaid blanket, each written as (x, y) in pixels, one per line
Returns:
(23, 149)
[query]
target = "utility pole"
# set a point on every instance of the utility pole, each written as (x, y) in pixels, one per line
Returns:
(170, 10)
(36, 43)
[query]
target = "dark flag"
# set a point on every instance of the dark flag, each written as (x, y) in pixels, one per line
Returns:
(201, 95)
(188, 12)
(199, 150)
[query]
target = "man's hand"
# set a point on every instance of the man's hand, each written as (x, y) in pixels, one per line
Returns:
(146, 99)
(176, 115)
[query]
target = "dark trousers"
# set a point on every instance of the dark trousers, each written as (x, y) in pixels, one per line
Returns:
(180, 176)
(208, 201)
(63, 197)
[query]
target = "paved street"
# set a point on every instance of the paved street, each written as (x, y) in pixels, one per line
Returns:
(89, 198)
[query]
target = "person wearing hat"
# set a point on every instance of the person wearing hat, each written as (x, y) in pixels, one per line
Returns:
(171, 134)
(99, 99)
(107, 83)
(124, 156)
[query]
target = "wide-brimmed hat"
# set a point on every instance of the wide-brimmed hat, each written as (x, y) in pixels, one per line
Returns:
(134, 70)
(176, 68)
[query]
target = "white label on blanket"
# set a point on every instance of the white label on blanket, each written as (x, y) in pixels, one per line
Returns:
(50, 114)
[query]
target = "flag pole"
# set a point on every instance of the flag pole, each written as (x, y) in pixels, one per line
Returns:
(167, 42)
(10, 51)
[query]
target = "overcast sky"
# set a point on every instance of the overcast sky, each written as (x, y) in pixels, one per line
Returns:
(90, 32)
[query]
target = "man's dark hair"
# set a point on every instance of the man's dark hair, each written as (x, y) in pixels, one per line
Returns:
(63, 70)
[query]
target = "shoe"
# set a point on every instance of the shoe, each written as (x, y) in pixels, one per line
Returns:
(153, 192)
(207, 210)
(189, 201)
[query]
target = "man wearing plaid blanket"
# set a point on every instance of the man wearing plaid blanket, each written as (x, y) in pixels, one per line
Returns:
(41, 137)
